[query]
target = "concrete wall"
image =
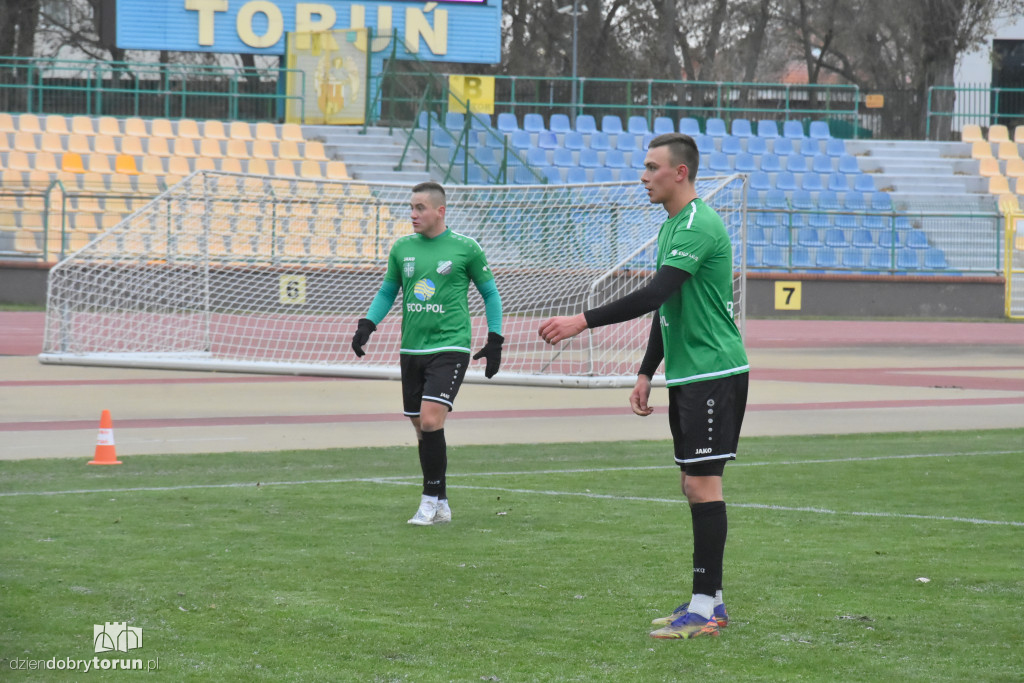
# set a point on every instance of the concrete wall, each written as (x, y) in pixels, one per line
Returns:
(23, 283)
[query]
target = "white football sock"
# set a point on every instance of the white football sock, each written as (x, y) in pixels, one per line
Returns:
(701, 604)
(718, 598)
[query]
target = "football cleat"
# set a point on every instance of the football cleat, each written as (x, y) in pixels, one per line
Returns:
(689, 625)
(425, 514)
(721, 616)
(443, 515)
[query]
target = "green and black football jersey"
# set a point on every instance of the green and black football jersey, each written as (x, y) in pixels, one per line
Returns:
(701, 339)
(434, 275)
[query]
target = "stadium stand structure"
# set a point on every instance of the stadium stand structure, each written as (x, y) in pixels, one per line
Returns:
(73, 177)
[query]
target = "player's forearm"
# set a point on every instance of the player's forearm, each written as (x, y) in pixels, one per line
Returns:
(655, 349)
(492, 305)
(382, 302)
(648, 298)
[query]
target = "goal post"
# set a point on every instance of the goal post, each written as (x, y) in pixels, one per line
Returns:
(261, 274)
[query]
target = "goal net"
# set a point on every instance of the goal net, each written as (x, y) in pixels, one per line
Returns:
(265, 274)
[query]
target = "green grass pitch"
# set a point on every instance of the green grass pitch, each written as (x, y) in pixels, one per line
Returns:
(299, 566)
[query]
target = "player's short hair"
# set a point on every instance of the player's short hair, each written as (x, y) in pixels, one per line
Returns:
(682, 149)
(433, 189)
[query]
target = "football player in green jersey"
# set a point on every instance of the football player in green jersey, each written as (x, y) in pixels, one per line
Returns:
(706, 367)
(433, 268)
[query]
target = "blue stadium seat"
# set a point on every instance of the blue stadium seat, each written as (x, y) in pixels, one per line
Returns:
(803, 200)
(486, 155)
(494, 141)
(547, 140)
(731, 145)
(809, 147)
(521, 140)
(715, 127)
(637, 125)
(767, 129)
(819, 130)
(755, 198)
(794, 130)
(475, 175)
(507, 122)
(903, 223)
(611, 124)
(585, 124)
(600, 141)
(916, 239)
(862, 239)
(829, 200)
(559, 123)
(663, 124)
(756, 236)
(881, 201)
(636, 159)
(705, 144)
(757, 146)
(775, 199)
(879, 258)
(848, 164)
(783, 147)
(741, 128)
(819, 220)
(454, 120)
(553, 174)
(523, 176)
(908, 259)
(847, 221)
(564, 157)
(838, 182)
(796, 163)
(801, 258)
(759, 180)
(535, 156)
(625, 142)
(798, 220)
(935, 259)
(821, 163)
(745, 163)
(426, 117)
(785, 180)
(603, 174)
(835, 147)
(719, 163)
(533, 123)
(864, 183)
(576, 175)
(853, 258)
(690, 126)
(573, 140)
(808, 237)
(811, 182)
(875, 222)
(854, 201)
(753, 260)
(887, 239)
(826, 257)
(457, 155)
(589, 158)
(781, 235)
(441, 138)
(773, 257)
(480, 121)
(615, 158)
(836, 238)
(770, 163)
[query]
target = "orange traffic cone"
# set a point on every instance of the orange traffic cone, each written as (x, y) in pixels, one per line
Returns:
(105, 453)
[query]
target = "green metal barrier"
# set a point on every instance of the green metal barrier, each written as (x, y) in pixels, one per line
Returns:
(981, 105)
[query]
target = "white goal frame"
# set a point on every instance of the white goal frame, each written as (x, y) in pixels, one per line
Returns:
(254, 274)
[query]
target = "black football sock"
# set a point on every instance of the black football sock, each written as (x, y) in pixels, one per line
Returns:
(434, 461)
(710, 528)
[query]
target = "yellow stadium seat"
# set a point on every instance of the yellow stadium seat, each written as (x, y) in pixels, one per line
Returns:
(1008, 202)
(7, 123)
(989, 167)
(95, 182)
(158, 147)
(71, 162)
(336, 170)
(161, 128)
(204, 164)
(18, 160)
(229, 165)
(108, 125)
(124, 163)
(289, 149)
(981, 150)
(1007, 150)
(178, 166)
(1018, 134)
(82, 125)
(132, 145)
(29, 123)
(237, 149)
(1015, 168)
(148, 183)
(315, 150)
(998, 134)
(79, 143)
(971, 133)
(57, 124)
(1018, 186)
(104, 144)
(263, 149)
(135, 126)
(47, 162)
(184, 147)
(214, 129)
(295, 246)
(189, 128)
(51, 142)
(266, 131)
(311, 169)
(152, 165)
(27, 242)
(293, 132)
(257, 167)
(284, 167)
(99, 163)
(998, 185)
(210, 148)
(240, 130)
(25, 142)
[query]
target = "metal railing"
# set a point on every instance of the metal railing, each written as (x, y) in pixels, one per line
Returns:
(950, 108)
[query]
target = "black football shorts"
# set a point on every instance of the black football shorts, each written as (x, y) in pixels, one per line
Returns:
(432, 377)
(705, 419)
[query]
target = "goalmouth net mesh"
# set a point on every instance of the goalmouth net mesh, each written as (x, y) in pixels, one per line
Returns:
(264, 274)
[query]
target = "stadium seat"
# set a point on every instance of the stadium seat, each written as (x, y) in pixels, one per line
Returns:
(811, 182)
(771, 163)
(759, 180)
(559, 123)
(821, 163)
(589, 158)
(935, 259)
(826, 257)
(808, 147)
(523, 176)
(880, 258)
(533, 123)
(1007, 150)
(603, 174)
(767, 129)
(808, 237)
(907, 259)
(715, 127)
(756, 236)
(535, 156)
(854, 201)
(573, 140)
(998, 133)
(757, 146)
(7, 123)
(819, 130)
(731, 145)
(794, 130)
(796, 163)
(575, 175)
(546, 139)
(507, 122)
(835, 237)
(853, 258)
(745, 163)
(773, 257)
(636, 160)
(801, 258)
(887, 239)
(971, 133)
(981, 149)
(875, 222)
(916, 239)
(705, 144)
(989, 168)
(520, 140)
(838, 182)
(719, 163)
(611, 124)
(835, 147)
(741, 128)
(1015, 168)
(454, 121)
(637, 125)
(585, 124)
(848, 164)
(615, 158)
(600, 141)
(690, 126)
(783, 147)
(864, 183)
(785, 180)
(552, 174)
(881, 201)
(819, 220)
(626, 142)
(564, 157)
(663, 124)
(802, 200)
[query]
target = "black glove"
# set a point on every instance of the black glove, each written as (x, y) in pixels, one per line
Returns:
(492, 352)
(366, 327)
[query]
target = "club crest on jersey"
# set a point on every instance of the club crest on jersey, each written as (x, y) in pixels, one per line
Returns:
(444, 267)
(423, 289)
(409, 266)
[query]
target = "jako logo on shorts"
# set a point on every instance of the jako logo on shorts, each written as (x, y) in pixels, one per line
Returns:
(423, 289)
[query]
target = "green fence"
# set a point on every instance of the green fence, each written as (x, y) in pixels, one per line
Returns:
(93, 88)
(951, 108)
